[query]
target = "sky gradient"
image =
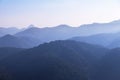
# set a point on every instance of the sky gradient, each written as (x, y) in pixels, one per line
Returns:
(46, 13)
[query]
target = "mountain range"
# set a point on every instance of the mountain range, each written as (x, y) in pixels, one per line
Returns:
(88, 52)
(33, 36)
(109, 40)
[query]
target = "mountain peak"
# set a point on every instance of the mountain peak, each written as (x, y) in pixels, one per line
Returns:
(31, 26)
(63, 25)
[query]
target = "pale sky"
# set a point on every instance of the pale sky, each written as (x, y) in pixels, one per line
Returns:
(46, 13)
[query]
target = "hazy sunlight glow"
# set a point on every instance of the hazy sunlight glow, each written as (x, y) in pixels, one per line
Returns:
(45, 13)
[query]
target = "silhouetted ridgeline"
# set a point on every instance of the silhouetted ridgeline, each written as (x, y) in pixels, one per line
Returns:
(17, 42)
(58, 60)
(109, 40)
(82, 53)
(105, 34)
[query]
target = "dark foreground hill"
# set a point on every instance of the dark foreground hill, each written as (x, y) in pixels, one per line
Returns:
(58, 60)
(109, 66)
(5, 53)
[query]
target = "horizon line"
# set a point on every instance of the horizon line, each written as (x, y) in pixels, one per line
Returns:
(34, 25)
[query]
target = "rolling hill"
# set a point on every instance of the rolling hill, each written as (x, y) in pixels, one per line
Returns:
(58, 60)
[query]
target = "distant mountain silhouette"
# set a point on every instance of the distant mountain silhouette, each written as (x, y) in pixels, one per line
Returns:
(109, 40)
(47, 34)
(17, 42)
(68, 53)
(62, 32)
(110, 27)
(5, 31)
(58, 60)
